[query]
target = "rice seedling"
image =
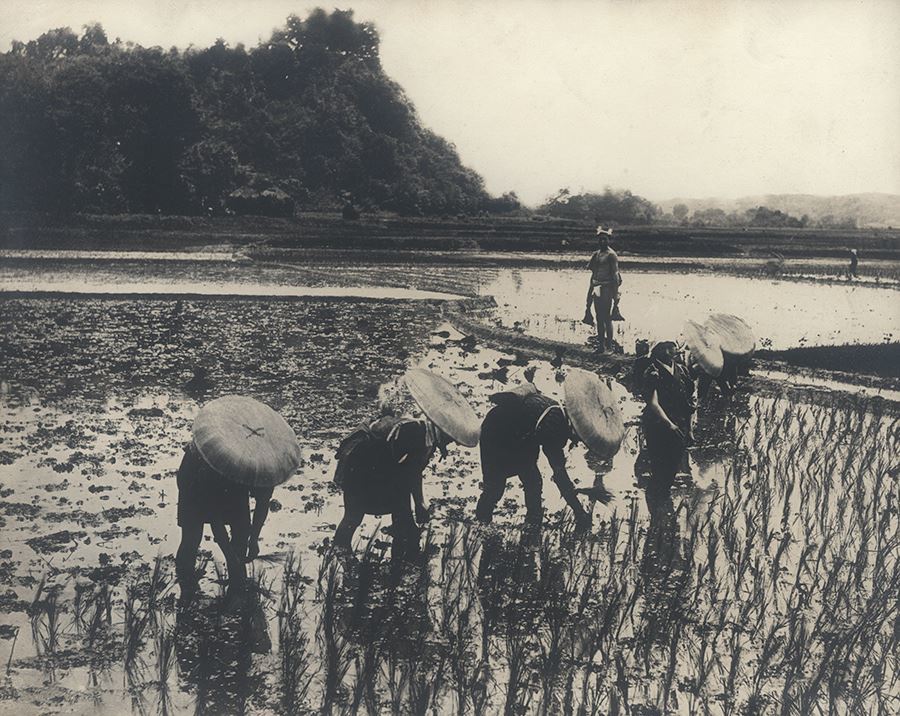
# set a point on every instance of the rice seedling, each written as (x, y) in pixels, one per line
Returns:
(165, 664)
(12, 650)
(296, 660)
(333, 644)
(45, 613)
(458, 614)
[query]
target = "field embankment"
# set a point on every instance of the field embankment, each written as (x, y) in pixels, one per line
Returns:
(882, 360)
(529, 234)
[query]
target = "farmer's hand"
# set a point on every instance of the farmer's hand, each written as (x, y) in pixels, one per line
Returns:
(423, 514)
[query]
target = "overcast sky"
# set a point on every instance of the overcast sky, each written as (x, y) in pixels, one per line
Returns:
(668, 99)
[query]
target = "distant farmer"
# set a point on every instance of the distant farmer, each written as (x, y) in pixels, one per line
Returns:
(666, 420)
(603, 290)
(854, 264)
(522, 423)
(240, 448)
(380, 464)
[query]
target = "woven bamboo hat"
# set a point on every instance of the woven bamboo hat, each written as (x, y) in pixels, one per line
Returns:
(444, 406)
(735, 336)
(704, 347)
(594, 411)
(246, 441)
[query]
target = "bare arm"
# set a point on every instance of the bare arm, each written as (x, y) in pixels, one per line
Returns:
(419, 499)
(557, 458)
(590, 291)
(657, 409)
(262, 497)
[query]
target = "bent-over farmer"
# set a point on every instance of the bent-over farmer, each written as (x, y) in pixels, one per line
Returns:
(240, 448)
(380, 464)
(523, 423)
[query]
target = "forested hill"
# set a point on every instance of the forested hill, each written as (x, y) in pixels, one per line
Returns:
(306, 120)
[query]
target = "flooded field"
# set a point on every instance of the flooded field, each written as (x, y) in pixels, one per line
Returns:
(549, 304)
(766, 582)
(543, 302)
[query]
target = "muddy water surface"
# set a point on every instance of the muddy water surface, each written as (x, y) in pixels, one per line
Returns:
(776, 551)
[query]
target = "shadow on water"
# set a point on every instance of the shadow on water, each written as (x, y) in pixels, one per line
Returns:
(776, 587)
(215, 652)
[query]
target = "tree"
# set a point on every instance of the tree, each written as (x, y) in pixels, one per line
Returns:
(210, 170)
(86, 125)
(53, 45)
(610, 207)
(93, 41)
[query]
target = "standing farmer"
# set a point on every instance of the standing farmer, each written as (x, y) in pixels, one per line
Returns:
(666, 420)
(240, 447)
(854, 264)
(522, 424)
(603, 290)
(380, 464)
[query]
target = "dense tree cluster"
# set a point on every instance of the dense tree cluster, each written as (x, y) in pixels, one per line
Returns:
(307, 119)
(610, 207)
(627, 209)
(763, 217)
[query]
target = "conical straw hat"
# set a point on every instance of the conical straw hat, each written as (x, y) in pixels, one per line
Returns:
(735, 336)
(594, 411)
(704, 347)
(444, 406)
(246, 441)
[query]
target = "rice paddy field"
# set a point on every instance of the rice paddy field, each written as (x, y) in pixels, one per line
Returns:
(765, 582)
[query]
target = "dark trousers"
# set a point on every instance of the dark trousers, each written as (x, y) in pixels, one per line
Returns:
(234, 549)
(493, 485)
(603, 308)
(405, 532)
(666, 451)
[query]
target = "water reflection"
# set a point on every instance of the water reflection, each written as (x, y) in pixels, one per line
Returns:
(663, 566)
(215, 654)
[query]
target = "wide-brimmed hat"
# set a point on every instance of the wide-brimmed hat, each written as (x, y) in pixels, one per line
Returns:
(444, 406)
(735, 336)
(594, 411)
(704, 347)
(513, 394)
(246, 441)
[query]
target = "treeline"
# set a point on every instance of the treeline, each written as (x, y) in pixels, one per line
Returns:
(306, 120)
(759, 216)
(626, 209)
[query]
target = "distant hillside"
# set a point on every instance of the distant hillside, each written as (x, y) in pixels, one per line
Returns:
(305, 120)
(868, 210)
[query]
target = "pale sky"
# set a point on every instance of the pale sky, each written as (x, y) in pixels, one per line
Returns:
(666, 98)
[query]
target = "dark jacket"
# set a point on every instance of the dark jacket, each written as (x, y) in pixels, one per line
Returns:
(674, 393)
(514, 432)
(382, 461)
(204, 495)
